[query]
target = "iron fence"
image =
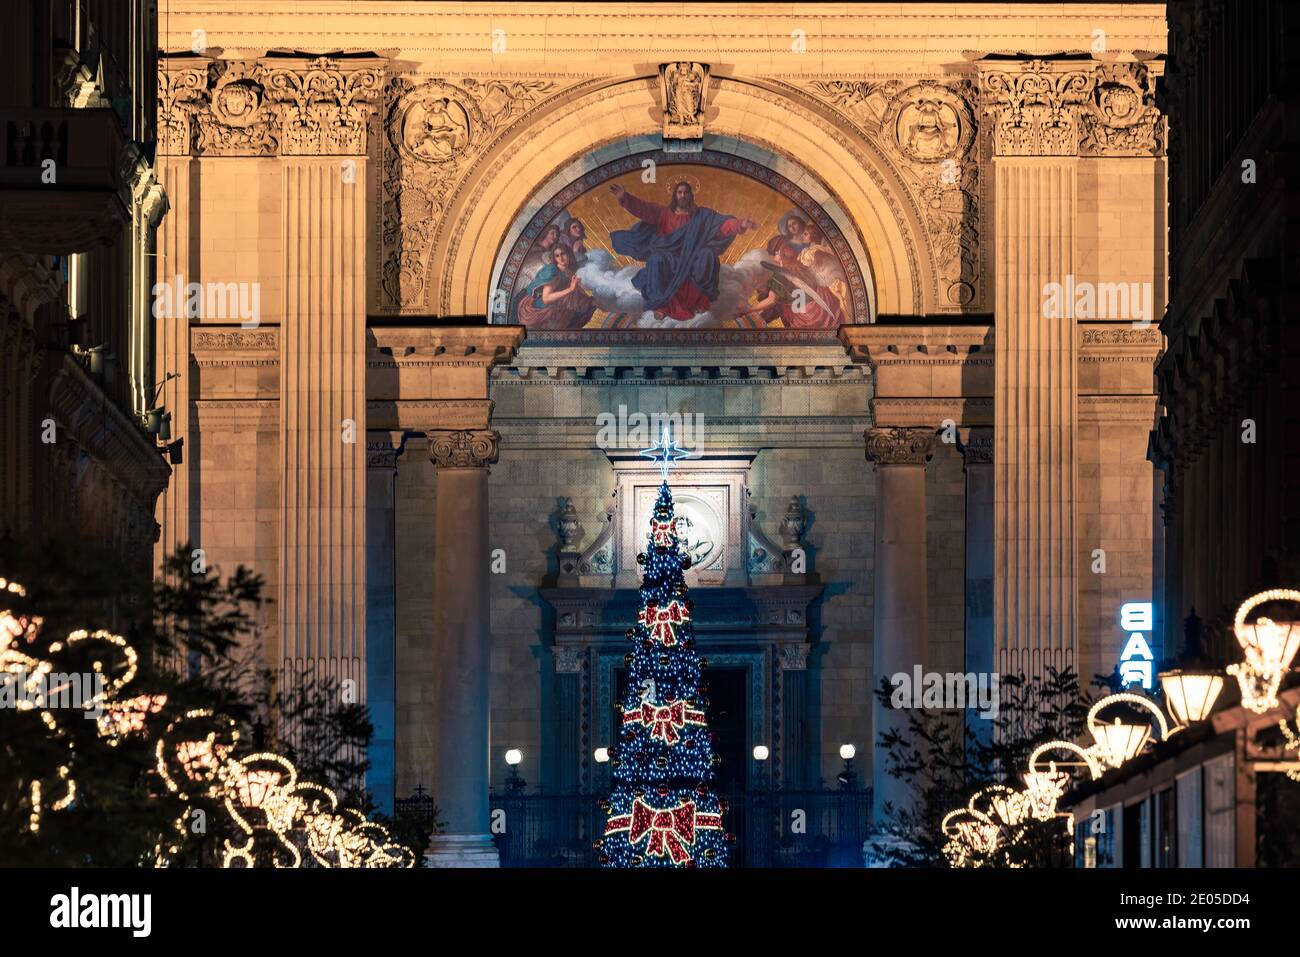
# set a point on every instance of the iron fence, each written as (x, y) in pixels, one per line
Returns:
(814, 828)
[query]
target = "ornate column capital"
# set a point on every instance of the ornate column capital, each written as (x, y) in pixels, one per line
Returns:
(383, 449)
(977, 447)
(1062, 108)
(569, 659)
(897, 446)
(308, 107)
(462, 448)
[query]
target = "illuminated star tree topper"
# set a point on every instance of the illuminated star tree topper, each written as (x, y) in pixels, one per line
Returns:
(666, 452)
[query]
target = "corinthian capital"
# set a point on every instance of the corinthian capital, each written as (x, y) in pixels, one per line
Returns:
(899, 446)
(1034, 107)
(463, 448)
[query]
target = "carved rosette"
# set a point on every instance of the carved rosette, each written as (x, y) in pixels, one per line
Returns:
(463, 448)
(929, 128)
(1121, 118)
(897, 446)
(265, 108)
(435, 128)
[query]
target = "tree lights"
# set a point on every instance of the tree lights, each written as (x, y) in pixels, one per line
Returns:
(662, 811)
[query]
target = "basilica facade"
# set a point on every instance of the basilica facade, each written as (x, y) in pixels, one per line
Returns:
(432, 276)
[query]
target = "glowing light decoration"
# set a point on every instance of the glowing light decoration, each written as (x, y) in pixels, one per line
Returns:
(194, 758)
(666, 452)
(1190, 694)
(1136, 662)
(662, 810)
(663, 623)
(996, 818)
(121, 718)
(1269, 648)
(1292, 736)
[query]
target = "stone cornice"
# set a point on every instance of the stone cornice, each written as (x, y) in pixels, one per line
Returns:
(238, 415)
(917, 343)
(423, 415)
(267, 106)
(931, 412)
(484, 345)
(105, 432)
(594, 614)
(842, 39)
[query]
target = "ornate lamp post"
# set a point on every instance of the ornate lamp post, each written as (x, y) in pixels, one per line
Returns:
(1191, 688)
(1269, 648)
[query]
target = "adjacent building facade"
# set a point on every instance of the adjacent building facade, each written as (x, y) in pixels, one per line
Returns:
(81, 206)
(892, 274)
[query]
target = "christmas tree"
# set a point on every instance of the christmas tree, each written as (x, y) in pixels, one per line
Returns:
(662, 811)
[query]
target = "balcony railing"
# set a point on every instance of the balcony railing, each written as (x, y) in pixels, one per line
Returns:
(813, 828)
(61, 179)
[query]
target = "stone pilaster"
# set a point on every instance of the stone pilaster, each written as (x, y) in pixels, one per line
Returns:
(1034, 110)
(323, 420)
(462, 646)
(172, 350)
(382, 452)
(977, 452)
(900, 455)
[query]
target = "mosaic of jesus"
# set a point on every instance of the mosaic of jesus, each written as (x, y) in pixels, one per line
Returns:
(700, 247)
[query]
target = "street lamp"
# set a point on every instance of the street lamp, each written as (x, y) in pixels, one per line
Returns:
(601, 755)
(1269, 647)
(761, 754)
(848, 777)
(1192, 688)
(514, 783)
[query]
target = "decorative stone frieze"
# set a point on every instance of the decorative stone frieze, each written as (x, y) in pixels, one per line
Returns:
(316, 107)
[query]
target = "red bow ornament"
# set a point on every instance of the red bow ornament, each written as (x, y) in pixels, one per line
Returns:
(663, 533)
(668, 831)
(662, 622)
(664, 721)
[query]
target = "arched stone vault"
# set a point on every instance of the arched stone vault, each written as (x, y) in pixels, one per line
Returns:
(519, 171)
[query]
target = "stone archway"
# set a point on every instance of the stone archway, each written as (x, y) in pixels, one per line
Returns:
(781, 126)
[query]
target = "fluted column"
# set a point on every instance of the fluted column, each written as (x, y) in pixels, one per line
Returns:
(323, 419)
(901, 609)
(462, 646)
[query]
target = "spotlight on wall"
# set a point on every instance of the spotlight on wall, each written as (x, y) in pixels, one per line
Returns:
(760, 752)
(601, 755)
